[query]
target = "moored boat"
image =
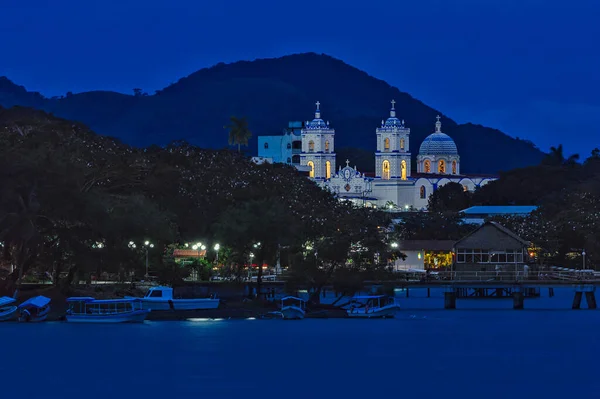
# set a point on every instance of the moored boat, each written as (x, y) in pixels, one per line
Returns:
(91, 310)
(161, 298)
(376, 306)
(8, 311)
(34, 309)
(293, 308)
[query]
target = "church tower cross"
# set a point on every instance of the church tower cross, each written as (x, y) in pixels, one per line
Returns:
(393, 104)
(347, 163)
(318, 104)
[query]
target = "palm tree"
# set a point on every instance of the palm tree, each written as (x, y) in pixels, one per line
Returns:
(556, 157)
(239, 134)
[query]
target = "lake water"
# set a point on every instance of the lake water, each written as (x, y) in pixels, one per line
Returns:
(423, 353)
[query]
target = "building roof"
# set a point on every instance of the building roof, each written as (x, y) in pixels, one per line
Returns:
(501, 229)
(499, 210)
(427, 245)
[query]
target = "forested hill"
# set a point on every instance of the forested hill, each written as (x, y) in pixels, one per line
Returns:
(271, 92)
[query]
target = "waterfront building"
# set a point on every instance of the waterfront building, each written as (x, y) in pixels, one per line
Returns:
(425, 255)
(478, 214)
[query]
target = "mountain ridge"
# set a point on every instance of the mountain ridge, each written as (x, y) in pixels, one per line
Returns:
(270, 92)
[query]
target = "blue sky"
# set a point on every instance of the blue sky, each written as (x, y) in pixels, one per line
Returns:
(527, 67)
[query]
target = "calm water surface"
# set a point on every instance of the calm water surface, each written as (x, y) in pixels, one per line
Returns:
(423, 353)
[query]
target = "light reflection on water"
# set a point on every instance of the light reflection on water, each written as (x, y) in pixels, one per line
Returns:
(423, 353)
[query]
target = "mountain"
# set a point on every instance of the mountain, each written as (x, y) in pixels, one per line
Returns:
(271, 92)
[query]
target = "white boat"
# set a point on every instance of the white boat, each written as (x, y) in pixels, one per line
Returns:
(91, 310)
(292, 308)
(8, 311)
(161, 298)
(373, 307)
(34, 309)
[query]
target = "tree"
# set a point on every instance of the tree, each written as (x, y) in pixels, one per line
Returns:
(450, 197)
(239, 134)
(556, 157)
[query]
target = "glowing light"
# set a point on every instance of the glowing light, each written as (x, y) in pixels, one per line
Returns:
(217, 246)
(146, 242)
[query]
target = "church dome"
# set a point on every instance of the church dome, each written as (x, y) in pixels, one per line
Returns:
(438, 143)
(317, 123)
(392, 121)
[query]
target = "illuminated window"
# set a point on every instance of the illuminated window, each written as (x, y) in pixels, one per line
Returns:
(403, 167)
(401, 144)
(465, 188)
(423, 192)
(385, 170)
(311, 146)
(327, 146)
(311, 165)
(386, 144)
(327, 170)
(453, 167)
(441, 166)
(427, 165)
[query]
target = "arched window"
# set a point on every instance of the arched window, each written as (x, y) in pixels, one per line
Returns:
(401, 144)
(403, 167)
(311, 146)
(385, 170)
(289, 160)
(453, 167)
(427, 166)
(311, 165)
(327, 169)
(289, 146)
(423, 193)
(441, 166)
(266, 146)
(326, 146)
(386, 144)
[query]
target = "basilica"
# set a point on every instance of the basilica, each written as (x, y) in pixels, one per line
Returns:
(393, 185)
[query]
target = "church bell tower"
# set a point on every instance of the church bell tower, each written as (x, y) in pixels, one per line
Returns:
(392, 158)
(318, 147)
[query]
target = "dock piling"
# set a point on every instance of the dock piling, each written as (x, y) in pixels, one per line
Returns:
(450, 300)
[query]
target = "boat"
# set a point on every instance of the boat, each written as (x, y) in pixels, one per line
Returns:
(292, 308)
(91, 310)
(34, 309)
(161, 298)
(373, 307)
(8, 311)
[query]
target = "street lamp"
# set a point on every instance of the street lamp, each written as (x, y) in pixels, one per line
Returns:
(217, 246)
(583, 254)
(394, 245)
(147, 245)
(98, 245)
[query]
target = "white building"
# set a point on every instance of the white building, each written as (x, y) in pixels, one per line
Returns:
(394, 185)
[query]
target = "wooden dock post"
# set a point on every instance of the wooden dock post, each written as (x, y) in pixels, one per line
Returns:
(590, 296)
(428, 292)
(591, 299)
(450, 299)
(577, 300)
(518, 300)
(407, 292)
(550, 292)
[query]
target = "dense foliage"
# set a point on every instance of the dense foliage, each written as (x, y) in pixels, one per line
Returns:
(73, 203)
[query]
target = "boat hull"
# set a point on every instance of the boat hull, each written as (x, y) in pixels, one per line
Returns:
(292, 312)
(137, 316)
(383, 312)
(178, 304)
(8, 313)
(33, 316)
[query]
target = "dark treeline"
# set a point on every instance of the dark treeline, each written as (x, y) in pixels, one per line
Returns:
(73, 203)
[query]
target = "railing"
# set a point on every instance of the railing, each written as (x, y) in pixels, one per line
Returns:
(507, 276)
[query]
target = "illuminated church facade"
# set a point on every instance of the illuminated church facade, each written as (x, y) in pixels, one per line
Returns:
(393, 186)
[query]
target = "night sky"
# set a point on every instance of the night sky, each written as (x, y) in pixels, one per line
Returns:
(527, 67)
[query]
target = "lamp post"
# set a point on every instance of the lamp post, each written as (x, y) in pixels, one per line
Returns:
(147, 245)
(583, 254)
(217, 247)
